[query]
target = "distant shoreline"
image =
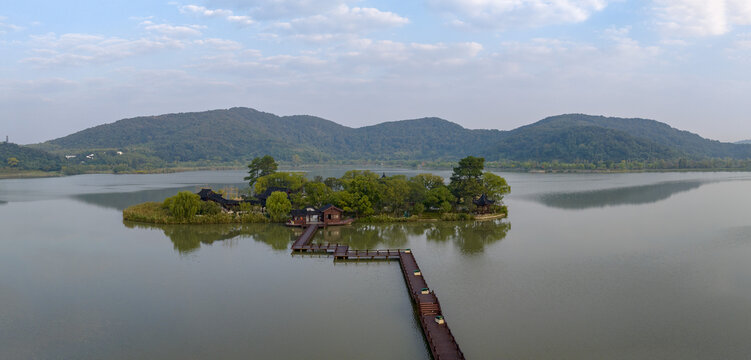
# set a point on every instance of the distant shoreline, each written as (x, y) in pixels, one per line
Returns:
(32, 174)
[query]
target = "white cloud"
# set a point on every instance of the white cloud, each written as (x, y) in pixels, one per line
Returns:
(80, 49)
(220, 44)
(501, 14)
(702, 17)
(6, 27)
(172, 30)
(282, 9)
(390, 54)
(740, 50)
(342, 20)
(219, 13)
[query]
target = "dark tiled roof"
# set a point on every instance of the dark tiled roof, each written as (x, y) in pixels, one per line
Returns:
(329, 206)
(209, 195)
(304, 212)
(483, 201)
(265, 195)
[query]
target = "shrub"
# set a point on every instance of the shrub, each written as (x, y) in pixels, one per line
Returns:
(445, 207)
(209, 208)
(419, 208)
(457, 217)
(151, 212)
(184, 205)
(278, 206)
(253, 217)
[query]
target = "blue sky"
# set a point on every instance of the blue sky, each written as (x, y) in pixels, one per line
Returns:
(70, 65)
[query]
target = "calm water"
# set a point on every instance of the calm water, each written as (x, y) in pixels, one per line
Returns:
(588, 266)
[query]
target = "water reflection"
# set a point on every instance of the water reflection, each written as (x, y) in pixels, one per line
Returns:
(121, 200)
(366, 236)
(468, 237)
(189, 238)
(632, 195)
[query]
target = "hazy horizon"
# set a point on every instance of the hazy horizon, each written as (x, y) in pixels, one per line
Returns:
(491, 64)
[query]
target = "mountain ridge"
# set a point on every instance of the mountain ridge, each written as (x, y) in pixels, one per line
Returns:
(239, 134)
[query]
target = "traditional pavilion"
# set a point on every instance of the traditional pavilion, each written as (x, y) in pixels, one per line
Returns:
(483, 204)
(210, 195)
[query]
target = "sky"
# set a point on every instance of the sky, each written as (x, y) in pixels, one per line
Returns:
(490, 64)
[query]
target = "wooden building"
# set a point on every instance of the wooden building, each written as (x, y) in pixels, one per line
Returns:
(326, 215)
(304, 217)
(331, 214)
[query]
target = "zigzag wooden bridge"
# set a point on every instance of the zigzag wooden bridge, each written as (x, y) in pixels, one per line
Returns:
(437, 334)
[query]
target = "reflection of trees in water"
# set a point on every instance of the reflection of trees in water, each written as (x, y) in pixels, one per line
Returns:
(121, 200)
(469, 237)
(632, 195)
(366, 236)
(275, 235)
(188, 238)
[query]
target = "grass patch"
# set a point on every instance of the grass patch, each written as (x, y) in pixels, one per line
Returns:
(156, 213)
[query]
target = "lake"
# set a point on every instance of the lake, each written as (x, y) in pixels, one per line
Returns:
(587, 266)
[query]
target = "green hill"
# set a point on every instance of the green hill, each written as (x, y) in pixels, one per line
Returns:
(574, 137)
(16, 157)
(242, 133)
(239, 134)
(683, 142)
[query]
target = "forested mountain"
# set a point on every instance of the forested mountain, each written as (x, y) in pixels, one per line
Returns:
(744, 142)
(242, 133)
(684, 143)
(239, 134)
(18, 157)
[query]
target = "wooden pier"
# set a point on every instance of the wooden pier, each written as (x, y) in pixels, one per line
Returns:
(441, 342)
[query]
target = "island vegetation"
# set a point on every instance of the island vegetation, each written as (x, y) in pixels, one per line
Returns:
(363, 194)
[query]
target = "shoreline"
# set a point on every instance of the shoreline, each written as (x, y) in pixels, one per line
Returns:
(34, 174)
(152, 213)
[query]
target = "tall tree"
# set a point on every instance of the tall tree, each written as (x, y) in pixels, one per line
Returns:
(317, 193)
(278, 206)
(260, 166)
(494, 186)
(466, 182)
(292, 181)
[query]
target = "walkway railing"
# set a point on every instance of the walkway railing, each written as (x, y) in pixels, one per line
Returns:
(440, 340)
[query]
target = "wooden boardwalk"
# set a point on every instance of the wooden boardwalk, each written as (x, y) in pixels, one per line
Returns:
(441, 342)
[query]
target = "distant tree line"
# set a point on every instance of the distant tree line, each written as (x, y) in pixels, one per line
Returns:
(625, 165)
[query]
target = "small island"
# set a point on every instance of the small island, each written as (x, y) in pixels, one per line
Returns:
(359, 195)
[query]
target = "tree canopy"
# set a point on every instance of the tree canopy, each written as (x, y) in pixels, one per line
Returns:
(363, 193)
(288, 180)
(466, 180)
(278, 206)
(259, 167)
